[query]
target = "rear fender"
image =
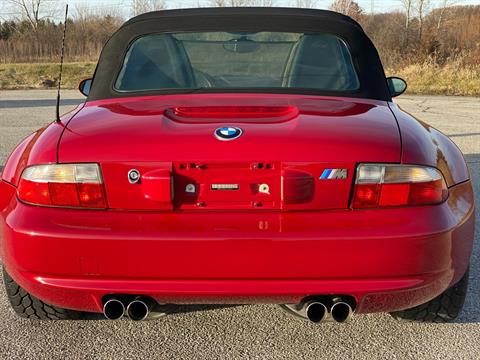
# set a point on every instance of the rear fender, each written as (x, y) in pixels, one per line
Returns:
(425, 145)
(7, 202)
(38, 148)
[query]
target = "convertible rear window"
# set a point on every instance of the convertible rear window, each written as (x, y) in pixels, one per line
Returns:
(243, 60)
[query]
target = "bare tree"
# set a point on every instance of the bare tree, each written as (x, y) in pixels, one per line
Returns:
(347, 7)
(34, 11)
(82, 12)
(422, 8)
(307, 4)
(407, 6)
(443, 7)
(143, 6)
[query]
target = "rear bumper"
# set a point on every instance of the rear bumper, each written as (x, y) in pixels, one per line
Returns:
(387, 259)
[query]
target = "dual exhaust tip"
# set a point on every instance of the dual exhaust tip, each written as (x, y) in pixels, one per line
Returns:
(137, 310)
(140, 308)
(317, 312)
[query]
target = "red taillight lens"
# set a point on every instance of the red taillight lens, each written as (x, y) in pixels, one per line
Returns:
(63, 194)
(34, 193)
(394, 194)
(380, 185)
(366, 195)
(428, 193)
(63, 185)
(91, 195)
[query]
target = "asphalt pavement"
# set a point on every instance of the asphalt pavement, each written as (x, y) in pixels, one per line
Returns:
(247, 332)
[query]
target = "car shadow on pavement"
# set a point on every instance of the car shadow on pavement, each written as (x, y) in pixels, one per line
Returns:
(172, 309)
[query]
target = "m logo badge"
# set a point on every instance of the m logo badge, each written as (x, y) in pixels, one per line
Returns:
(332, 174)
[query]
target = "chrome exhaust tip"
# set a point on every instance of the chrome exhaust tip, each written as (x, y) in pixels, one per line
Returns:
(316, 312)
(113, 309)
(139, 309)
(341, 311)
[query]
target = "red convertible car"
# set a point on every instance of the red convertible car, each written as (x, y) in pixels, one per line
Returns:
(236, 156)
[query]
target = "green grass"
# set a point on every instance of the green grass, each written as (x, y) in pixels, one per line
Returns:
(451, 79)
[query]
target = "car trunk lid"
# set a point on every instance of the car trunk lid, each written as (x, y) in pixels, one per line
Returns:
(295, 152)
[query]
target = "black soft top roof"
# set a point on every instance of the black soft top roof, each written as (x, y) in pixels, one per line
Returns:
(235, 11)
(253, 19)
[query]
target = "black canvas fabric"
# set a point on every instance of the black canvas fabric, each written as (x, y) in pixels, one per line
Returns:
(367, 63)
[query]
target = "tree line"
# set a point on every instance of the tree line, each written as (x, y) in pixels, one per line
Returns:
(418, 34)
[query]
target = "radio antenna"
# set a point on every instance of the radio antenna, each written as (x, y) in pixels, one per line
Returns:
(61, 63)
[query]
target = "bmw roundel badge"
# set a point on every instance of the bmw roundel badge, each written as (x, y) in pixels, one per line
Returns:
(228, 133)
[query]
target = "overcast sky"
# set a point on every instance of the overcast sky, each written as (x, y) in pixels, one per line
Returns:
(124, 6)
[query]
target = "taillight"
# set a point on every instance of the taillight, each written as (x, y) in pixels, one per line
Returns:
(64, 185)
(379, 185)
